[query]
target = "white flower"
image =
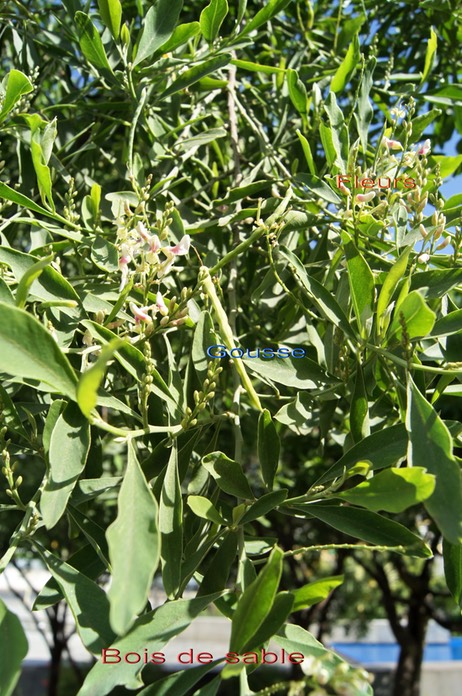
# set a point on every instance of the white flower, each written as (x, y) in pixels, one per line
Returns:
(391, 144)
(423, 258)
(154, 243)
(167, 264)
(181, 248)
(425, 148)
(140, 313)
(397, 113)
(142, 231)
(160, 304)
(409, 159)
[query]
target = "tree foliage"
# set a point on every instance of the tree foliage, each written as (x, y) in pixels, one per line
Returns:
(177, 177)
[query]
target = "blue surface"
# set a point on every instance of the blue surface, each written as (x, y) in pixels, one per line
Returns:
(368, 653)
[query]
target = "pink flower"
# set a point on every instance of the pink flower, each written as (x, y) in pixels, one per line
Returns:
(425, 148)
(391, 144)
(140, 313)
(160, 304)
(167, 264)
(365, 197)
(182, 247)
(154, 243)
(142, 231)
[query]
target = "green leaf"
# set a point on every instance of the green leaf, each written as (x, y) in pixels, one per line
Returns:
(317, 188)
(43, 135)
(430, 445)
(315, 592)
(69, 446)
(359, 412)
(16, 86)
(449, 324)
(204, 508)
(297, 92)
(212, 18)
(10, 194)
(179, 683)
(268, 446)
(133, 541)
(171, 526)
(263, 505)
(297, 413)
(51, 286)
(361, 283)
(255, 603)
(130, 357)
(93, 532)
(189, 77)
(336, 137)
(90, 381)
(219, 568)
(86, 561)
(228, 475)
(364, 113)
(436, 283)
(87, 601)
(308, 154)
(276, 617)
(256, 67)
(151, 631)
(271, 8)
(204, 336)
(419, 319)
(104, 254)
(390, 283)
(393, 490)
(348, 66)
(28, 350)
(22, 291)
(383, 448)
(10, 415)
(448, 165)
(321, 298)
(14, 649)
(90, 42)
(111, 14)
(429, 54)
(303, 373)
(182, 34)
(370, 527)
(158, 25)
(5, 293)
(452, 555)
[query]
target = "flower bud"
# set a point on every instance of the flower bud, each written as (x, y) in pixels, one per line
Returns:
(444, 243)
(365, 197)
(422, 230)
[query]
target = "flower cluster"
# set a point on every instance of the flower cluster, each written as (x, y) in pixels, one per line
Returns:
(146, 258)
(341, 679)
(142, 252)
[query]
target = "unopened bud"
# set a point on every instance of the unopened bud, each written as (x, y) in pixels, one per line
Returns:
(444, 243)
(365, 197)
(423, 231)
(423, 258)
